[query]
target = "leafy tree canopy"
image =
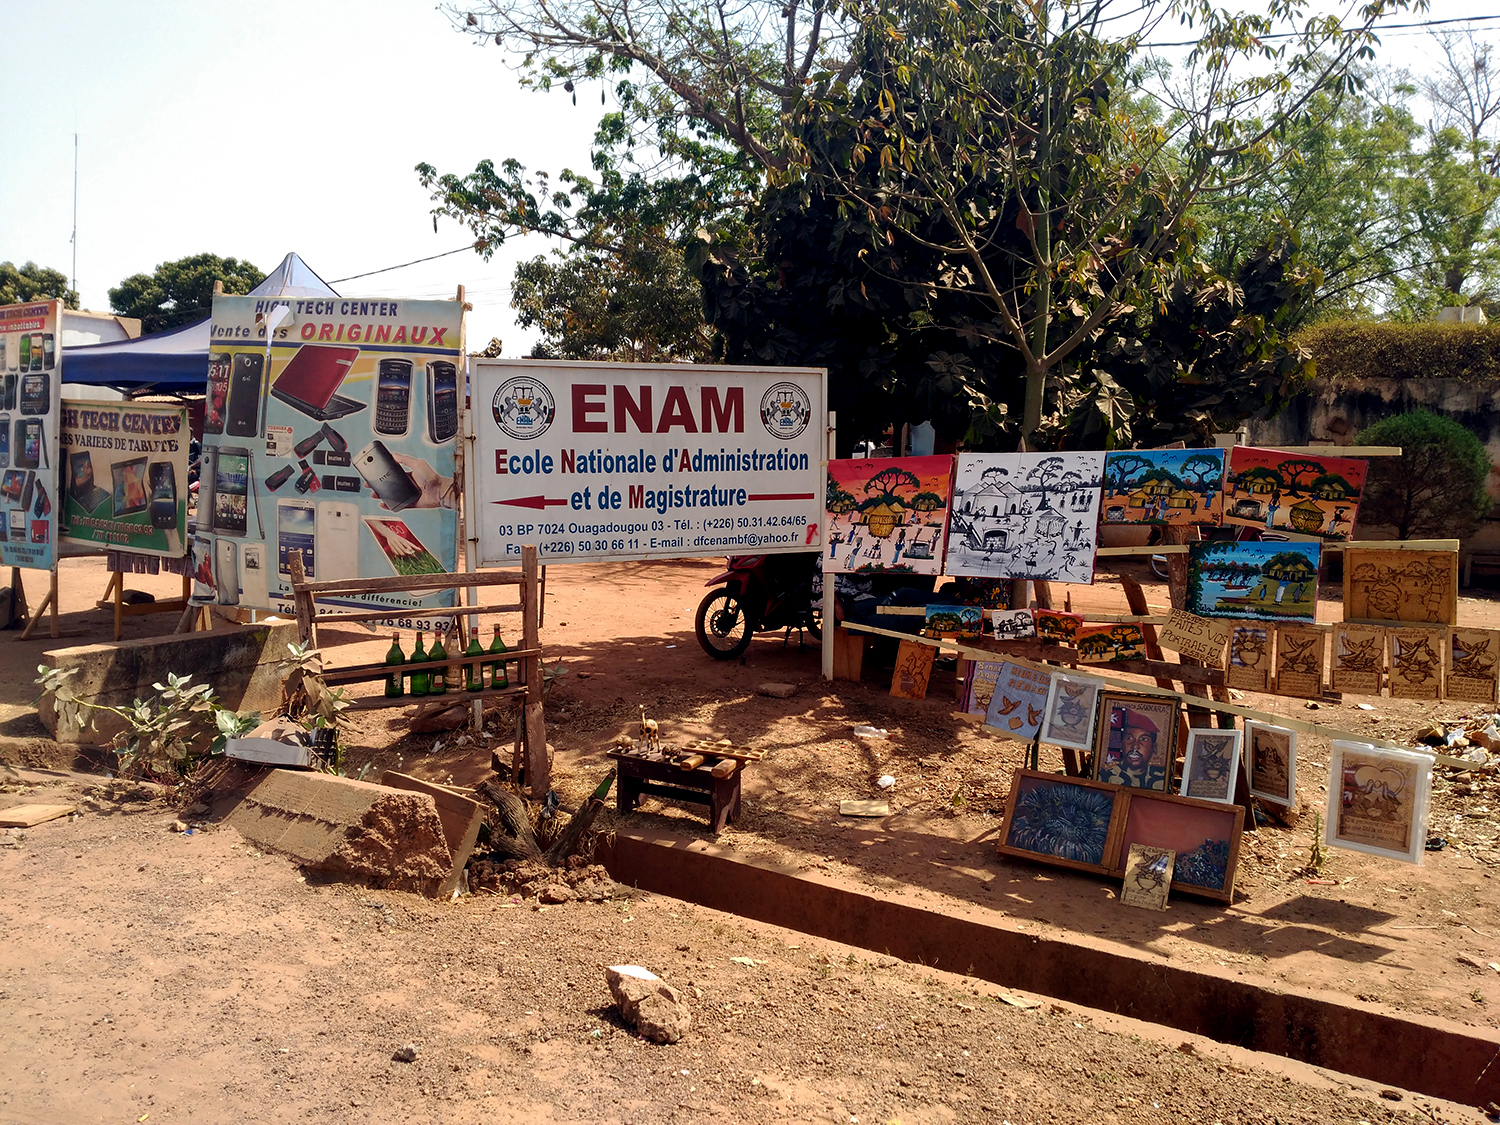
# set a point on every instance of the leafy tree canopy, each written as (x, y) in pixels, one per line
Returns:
(32, 282)
(180, 292)
(1436, 488)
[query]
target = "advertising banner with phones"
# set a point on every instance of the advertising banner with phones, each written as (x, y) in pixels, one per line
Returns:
(124, 476)
(31, 362)
(591, 461)
(335, 438)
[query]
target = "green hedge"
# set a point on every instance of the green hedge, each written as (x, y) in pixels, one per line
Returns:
(1356, 350)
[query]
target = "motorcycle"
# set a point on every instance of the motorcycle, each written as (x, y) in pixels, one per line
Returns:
(758, 593)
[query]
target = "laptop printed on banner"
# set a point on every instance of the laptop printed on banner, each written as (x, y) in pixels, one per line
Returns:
(309, 382)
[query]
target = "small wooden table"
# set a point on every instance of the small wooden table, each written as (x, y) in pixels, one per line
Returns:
(637, 775)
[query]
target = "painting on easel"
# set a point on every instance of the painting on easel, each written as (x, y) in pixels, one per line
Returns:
(887, 515)
(1277, 491)
(1257, 580)
(1164, 486)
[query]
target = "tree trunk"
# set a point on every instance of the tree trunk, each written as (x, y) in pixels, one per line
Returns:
(573, 834)
(516, 840)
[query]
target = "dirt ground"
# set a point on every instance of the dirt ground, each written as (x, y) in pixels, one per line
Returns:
(196, 979)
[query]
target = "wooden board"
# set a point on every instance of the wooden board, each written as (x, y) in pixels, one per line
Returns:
(24, 816)
(1412, 587)
(913, 670)
(1250, 656)
(1471, 663)
(1358, 658)
(1417, 663)
(1300, 660)
(1201, 638)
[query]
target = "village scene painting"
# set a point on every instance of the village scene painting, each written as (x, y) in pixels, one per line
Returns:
(1026, 515)
(1164, 486)
(1255, 580)
(888, 515)
(1280, 491)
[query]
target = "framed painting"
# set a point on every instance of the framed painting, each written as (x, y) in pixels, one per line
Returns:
(1069, 821)
(1135, 740)
(1205, 835)
(1250, 654)
(1025, 515)
(1164, 486)
(1377, 800)
(1358, 658)
(1201, 638)
(1411, 587)
(1012, 624)
(1018, 702)
(1300, 660)
(1254, 580)
(1212, 764)
(1148, 877)
(1055, 627)
(1271, 759)
(887, 515)
(1416, 663)
(1297, 492)
(1471, 665)
(1099, 644)
(1070, 711)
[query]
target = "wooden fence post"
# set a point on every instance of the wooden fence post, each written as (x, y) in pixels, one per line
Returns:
(538, 769)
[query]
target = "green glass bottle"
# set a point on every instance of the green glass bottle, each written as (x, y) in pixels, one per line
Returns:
(395, 683)
(499, 678)
(419, 680)
(474, 673)
(438, 684)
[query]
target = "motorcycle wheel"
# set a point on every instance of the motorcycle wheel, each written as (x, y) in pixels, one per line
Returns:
(814, 624)
(723, 625)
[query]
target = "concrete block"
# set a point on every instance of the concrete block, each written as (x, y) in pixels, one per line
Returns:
(240, 661)
(353, 830)
(461, 819)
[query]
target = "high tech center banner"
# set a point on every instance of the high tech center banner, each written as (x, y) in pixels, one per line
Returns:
(592, 461)
(335, 439)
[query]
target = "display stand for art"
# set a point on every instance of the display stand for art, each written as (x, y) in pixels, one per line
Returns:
(49, 602)
(114, 598)
(530, 751)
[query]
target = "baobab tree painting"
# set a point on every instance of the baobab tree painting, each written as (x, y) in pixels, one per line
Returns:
(1164, 486)
(1310, 495)
(887, 515)
(1025, 515)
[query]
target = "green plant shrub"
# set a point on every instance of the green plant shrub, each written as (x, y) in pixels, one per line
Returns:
(1359, 350)
(1435, 489)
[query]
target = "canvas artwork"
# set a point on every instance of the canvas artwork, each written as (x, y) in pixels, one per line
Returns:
(1377, 800)
(1056, 627)
(887, 515)
(1309, 495)
(1064, 820)
(954, 622)
(986, 593)
(1271, 759)
(1204, 835)
(913, 670)
(1358, 658)
(1025, 515)
(981, 686)
(1164, 486)
(1269, 581)
(1201, 638)
(1472, 665)
(1211, 765)
(1135, 740)
(1070, 711)
(1012, 624)
(1416, 663)
(1019, 701)
(1250, 648)
(1100, 643)
(1417, 587)
(1148, 877)
(1300, 660)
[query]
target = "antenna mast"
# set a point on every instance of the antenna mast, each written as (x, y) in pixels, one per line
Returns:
(74, 239)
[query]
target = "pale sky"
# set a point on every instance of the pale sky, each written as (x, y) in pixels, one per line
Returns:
(252, 129)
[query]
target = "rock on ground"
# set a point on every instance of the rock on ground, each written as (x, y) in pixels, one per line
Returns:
(650, 1003)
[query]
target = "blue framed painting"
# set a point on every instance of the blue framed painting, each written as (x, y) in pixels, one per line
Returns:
(1068, 821)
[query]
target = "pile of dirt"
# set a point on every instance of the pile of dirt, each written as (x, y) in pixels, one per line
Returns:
(583, 881)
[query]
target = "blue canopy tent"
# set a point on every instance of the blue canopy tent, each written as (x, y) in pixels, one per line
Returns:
(176, 361)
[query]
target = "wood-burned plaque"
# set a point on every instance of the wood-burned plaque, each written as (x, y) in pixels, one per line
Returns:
(1299, 661)
(1417, 663)
(1358, 658)
(1416, 587)
(1250, 657)
(1472, 664)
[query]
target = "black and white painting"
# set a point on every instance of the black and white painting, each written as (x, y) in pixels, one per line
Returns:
(1025, 515)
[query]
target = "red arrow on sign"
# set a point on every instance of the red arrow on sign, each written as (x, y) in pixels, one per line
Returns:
(540, 503)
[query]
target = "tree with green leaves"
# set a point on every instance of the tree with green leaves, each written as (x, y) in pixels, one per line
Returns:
(1436, 488)
(989, 135)
(32, 282)
(182, 291)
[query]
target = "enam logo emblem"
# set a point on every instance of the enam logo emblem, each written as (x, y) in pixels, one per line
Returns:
(785, 411)
(524, 408)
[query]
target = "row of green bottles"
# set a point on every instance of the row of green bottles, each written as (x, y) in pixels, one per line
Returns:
(437, 682)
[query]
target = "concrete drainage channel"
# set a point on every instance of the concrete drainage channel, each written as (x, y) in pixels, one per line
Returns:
(1426, 1055)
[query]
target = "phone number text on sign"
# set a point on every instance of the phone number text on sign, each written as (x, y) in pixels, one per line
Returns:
(593, 461)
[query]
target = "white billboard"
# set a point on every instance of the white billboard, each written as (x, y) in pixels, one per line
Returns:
(590, 461)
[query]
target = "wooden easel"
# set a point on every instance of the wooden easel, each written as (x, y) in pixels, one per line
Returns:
(531, 741)
(114, 597)
(48, 602)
